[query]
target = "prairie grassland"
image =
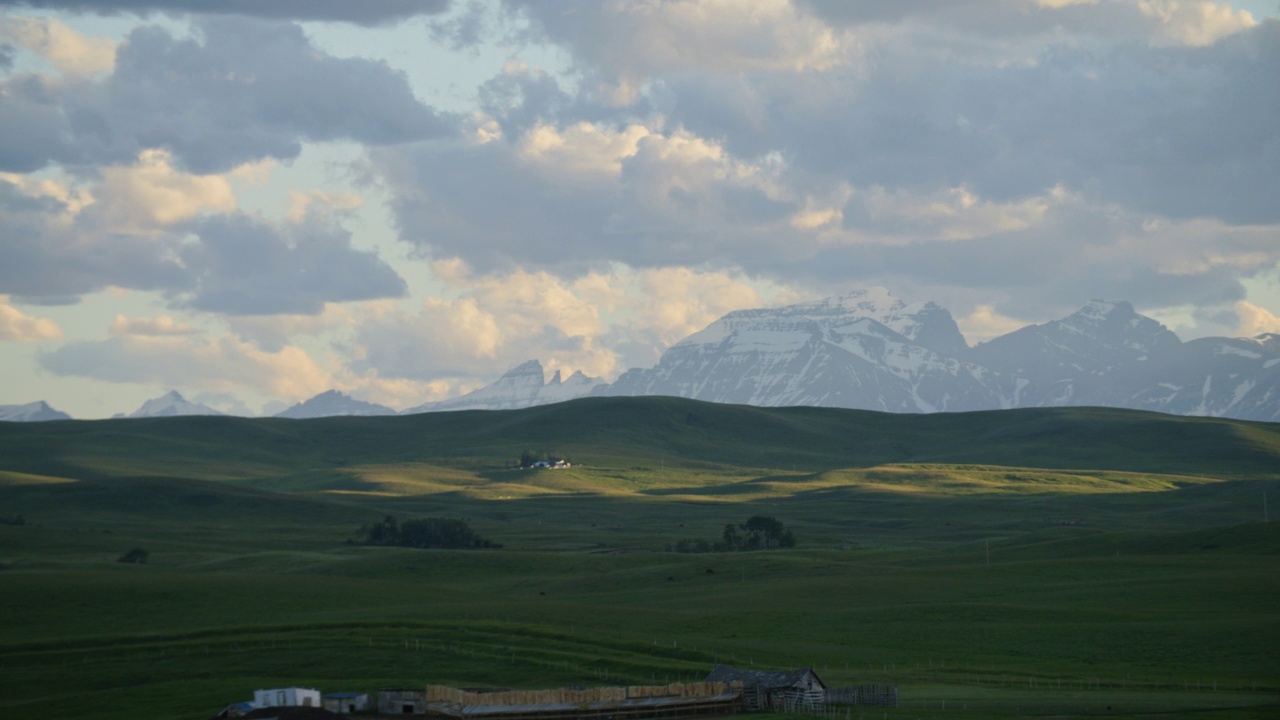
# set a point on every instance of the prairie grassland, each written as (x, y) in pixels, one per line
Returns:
(1008, 571)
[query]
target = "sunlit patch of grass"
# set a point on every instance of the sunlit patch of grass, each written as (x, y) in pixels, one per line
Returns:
(971, 479)
(17, 478)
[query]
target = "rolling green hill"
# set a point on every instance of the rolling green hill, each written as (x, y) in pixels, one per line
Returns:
(1011, 564)
(610, 431)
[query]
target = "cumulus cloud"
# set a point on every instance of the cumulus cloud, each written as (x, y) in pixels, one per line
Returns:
(135, 229)
(1196, 22)
(236, 92)
(274, 332)
(1255, 320)
(1189, 22)
(46, 256)
(628, 42)
(381, 12)
(573, 197)
(160, 325)
(500, 321)
(70, 52)
(985, 323)
(16, 326)
(1039, 157)
(242, 265)
(211, 364)
(150, 196)
(600, 323)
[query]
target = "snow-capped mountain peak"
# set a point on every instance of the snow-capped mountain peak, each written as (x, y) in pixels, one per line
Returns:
(171, 404)
(38, 411)
(333, 402)
(521, 386)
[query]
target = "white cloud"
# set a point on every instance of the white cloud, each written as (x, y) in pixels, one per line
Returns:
(956, 213)
(581, 150)
(154, 326)
(1196, 22)
(985, 323)
(16, 326)
(150, 196)
(669, 304)
(632, 41)
(70, 52)
(1255, 320)
(209, 364)
(273, 332)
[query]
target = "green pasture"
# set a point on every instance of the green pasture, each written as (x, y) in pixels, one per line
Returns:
(1054, 563)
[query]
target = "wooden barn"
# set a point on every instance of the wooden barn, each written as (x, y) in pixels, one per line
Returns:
(402, 701)
(780, 690)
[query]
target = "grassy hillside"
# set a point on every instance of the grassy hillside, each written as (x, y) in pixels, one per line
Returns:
(1007, 564)
(610, 431)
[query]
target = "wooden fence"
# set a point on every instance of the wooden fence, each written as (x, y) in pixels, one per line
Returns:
(864, 695)
(597, 695)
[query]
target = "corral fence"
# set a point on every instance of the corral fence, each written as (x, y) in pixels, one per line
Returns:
(598, 695)
(885, 696)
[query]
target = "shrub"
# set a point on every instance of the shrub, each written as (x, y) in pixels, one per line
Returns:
(137, 556)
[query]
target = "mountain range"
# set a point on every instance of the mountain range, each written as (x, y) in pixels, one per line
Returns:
(870, 350)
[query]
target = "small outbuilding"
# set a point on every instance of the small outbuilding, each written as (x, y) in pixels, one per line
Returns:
(346, 703)
(402, 701)
(781, 690)
(286, 697)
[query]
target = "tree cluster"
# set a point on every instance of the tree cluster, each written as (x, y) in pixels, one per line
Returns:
(759, 532)
(445, 533)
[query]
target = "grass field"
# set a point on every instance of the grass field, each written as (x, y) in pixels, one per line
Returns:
(1055, 563)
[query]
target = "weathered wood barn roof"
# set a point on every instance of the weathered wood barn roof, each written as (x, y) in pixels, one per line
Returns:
(767, 679)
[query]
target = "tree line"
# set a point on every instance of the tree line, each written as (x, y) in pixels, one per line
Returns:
(445, 533)
(759, 532)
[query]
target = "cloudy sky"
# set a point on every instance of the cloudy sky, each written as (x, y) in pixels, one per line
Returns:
(254, 201)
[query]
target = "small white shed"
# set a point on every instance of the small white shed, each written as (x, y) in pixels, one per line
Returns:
(287, 697)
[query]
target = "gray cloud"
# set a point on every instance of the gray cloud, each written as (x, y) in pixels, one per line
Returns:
(244, 90)
(381, 12)
(1182, 132)
(245, 266)
(233, 264)
(42, 261)
(1129, 133)
(466, 30)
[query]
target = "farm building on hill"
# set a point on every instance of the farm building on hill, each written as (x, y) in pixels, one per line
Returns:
(774, 689)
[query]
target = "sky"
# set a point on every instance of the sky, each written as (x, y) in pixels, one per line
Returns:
(255, 201)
